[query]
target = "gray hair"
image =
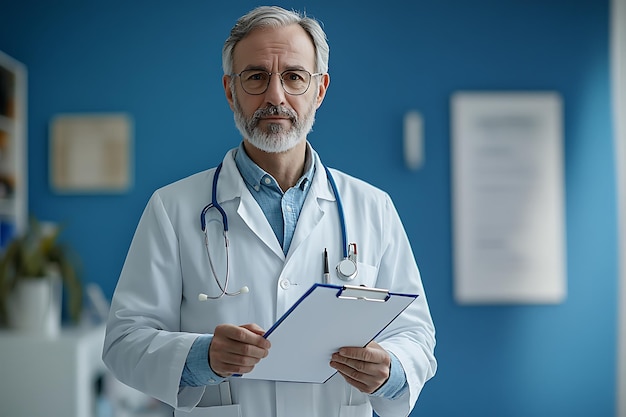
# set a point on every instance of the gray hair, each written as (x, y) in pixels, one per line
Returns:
(275, 17)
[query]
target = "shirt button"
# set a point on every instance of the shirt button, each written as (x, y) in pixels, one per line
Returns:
(288, 208)
(257, 188)
(267, 180)
(284, 284)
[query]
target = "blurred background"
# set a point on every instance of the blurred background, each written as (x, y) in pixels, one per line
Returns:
(160, 62)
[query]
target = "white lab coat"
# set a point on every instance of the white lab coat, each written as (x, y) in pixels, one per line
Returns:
(156, 316)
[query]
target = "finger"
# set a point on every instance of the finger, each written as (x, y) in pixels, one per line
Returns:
(354, 367)
(237, 364)
(358, 384)
(365, 368)
(243, 334)
(255, 329)
(361, 381)
(252, 334)
(375, 345)
(370, 353)
(225, 361)
(237, 347)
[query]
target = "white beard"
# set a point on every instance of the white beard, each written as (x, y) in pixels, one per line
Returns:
(275, 138)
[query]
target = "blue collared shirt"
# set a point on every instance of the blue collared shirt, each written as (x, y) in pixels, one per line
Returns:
(282, 210)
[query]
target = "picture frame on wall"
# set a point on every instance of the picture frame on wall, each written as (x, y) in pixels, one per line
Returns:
(91, 153)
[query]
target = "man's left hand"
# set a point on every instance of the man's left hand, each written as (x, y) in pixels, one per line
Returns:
(367, 369)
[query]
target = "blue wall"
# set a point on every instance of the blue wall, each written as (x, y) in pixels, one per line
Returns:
(160, 62)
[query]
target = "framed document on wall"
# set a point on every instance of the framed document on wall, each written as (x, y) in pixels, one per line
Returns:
(91, 153)
(508, 198)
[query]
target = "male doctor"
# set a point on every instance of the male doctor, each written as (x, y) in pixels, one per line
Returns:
(282, 215)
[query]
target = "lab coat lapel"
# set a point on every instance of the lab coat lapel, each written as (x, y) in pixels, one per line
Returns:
(230, 186)
(313, 210)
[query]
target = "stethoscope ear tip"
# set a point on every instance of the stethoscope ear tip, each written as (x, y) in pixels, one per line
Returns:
(203, 297)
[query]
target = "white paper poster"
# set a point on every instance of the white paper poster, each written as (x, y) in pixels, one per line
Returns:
(508, 196)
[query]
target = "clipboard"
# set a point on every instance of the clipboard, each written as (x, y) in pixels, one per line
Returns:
(325, 319)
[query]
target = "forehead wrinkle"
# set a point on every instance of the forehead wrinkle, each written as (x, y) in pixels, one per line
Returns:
(267, 47)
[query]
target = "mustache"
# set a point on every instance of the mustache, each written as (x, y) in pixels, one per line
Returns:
(273, 111)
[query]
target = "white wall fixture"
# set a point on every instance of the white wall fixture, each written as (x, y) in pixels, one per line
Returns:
(508, 196)
(413, 140)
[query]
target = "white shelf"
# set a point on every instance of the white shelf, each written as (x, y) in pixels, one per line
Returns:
(44, 376)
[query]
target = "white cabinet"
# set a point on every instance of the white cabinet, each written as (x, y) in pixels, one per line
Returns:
(13, 172)
(41, 376)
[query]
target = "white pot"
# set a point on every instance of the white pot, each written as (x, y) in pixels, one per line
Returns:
(35, 306)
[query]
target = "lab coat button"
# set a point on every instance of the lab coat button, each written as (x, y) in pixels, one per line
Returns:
(284, 284)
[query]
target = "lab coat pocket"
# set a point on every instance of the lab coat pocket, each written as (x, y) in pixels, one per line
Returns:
(367, 275)
(361, 410)
(233, 410)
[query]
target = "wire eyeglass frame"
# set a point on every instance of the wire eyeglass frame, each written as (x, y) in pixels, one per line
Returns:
(281, 75)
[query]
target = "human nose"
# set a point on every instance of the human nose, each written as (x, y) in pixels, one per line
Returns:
(275, 93)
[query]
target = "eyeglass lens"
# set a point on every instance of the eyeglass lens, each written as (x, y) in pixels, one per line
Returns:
(295, 82)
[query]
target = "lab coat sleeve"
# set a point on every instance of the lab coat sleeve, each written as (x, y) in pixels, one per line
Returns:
(144, 347)
(411, 337)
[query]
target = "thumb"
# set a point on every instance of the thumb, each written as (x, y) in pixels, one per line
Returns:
(254, 328)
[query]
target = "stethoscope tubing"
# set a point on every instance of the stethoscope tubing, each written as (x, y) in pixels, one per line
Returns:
(215, 204)
(342, 219)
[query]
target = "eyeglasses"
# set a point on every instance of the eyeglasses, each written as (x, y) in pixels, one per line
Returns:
(294, 82)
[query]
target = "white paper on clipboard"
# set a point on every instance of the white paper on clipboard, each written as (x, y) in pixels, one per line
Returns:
(325, 319)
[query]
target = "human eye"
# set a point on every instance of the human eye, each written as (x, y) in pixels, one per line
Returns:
(294, 76)
(254, 75)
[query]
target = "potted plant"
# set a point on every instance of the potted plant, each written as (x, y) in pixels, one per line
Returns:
(37, 260)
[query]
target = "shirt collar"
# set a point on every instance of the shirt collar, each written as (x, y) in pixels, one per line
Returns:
(253, 174)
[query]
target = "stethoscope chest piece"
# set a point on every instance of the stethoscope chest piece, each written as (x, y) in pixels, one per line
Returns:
(346, 269)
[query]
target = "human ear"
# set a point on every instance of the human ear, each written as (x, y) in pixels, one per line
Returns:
(226, 80)
(321, 89)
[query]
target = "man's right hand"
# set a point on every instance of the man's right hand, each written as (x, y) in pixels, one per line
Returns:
(237, 349)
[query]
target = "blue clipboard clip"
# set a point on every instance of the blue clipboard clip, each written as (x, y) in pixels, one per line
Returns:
(353, 292)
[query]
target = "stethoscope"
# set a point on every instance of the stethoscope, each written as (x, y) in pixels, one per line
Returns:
(346, 268)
